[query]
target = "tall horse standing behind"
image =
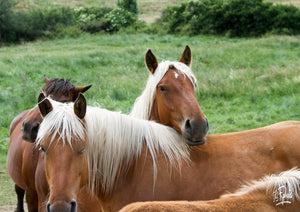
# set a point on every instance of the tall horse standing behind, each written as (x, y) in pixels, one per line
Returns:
(169, 98)
(22, 157)
(272, 193)
(124, 166)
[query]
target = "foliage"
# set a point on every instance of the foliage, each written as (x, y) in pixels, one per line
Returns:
(232, 17)
(129, 5)
(285, 19)
(35, 23)
(91, 19)
(118, 18)
(90, 14)
(6, 29)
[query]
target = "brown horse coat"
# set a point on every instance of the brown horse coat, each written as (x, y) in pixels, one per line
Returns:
(273, 193)
(222, 164)
(23, 159)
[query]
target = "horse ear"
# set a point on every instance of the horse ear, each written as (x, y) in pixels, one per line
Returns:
(41, 97)
(186, 56)
(82, 89)
(46, 79)
(80, 106)
(44, 104)
(151, 61)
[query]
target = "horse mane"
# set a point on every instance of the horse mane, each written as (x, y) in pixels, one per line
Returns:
(143, 104)
(122, 138)
(63, 122)
(272, 185)
(113, 140)
(57, 86)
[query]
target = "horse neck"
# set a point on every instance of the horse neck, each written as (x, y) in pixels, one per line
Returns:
(154, 115)
(131, 179)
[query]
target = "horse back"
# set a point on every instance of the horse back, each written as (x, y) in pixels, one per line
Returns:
(16, 120)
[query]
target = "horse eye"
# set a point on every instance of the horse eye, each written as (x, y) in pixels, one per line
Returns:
(161, 88)
(42, 148)
(81, 151)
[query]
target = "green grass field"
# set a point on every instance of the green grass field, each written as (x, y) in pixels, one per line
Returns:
(242, 83)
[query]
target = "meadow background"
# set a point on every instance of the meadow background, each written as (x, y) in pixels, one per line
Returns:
(243, 83)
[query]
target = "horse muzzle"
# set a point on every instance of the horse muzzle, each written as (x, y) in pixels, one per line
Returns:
(194, 131)
(30, 130)
(61, 206)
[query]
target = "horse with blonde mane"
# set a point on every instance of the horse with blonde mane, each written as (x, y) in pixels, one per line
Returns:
(169, 98)
(272, 193)
(22, 158)
(125, 160)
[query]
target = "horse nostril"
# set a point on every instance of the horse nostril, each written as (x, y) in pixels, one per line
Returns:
(188, 124)
(207, 124)
(35, 128)
(23, 125)
(48, 207)
(73, 206)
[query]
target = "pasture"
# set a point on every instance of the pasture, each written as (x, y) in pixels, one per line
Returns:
(242, 83)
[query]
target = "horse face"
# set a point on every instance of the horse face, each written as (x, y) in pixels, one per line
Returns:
(178, 107)
(175, 103)
(65, 162)
(66, 173)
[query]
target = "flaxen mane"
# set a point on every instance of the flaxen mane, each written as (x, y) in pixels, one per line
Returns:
(113, 140)
(284, 187)
(143, 104)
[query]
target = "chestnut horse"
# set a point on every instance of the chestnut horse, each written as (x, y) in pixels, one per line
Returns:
(169, 98)
(128, 159)
(22, 157)
(272, 193)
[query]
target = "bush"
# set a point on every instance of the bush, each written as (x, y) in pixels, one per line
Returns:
(246, 17)
(86, 15)
(232, 17)
(32, 24)
(175, 17)
(285, 19)
(129, 5)
(118, 18)
(91, 19)
(6, 27)
(205, 16)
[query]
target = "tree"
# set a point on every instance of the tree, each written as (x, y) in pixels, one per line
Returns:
(129, 5)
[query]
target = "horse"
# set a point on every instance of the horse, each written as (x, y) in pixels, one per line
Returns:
(128, 162)
(169, 98)
(22, 157)
(272, 193)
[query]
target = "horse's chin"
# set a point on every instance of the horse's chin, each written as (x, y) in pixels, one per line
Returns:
(195, 142)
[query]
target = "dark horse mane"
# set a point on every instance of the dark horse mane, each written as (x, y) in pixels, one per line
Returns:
(57, 87)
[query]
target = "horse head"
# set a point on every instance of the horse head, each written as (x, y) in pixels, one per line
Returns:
(64, 147)
(175, 103)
